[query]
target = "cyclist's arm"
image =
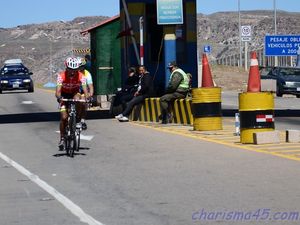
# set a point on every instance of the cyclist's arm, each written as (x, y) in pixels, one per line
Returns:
(58, 86)
(84, 87)
(85, 91)
(91, 89)
(58, 92)
(89, 82)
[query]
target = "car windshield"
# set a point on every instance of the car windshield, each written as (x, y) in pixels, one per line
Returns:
(290, 71)
(14, 70)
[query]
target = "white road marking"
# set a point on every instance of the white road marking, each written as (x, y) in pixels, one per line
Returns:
(27, 102)
(86, 137)
(72, 207)
(82, 137)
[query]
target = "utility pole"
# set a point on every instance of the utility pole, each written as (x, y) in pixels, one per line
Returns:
(240, 41)
(275, 27)
(141, 22)
(131, 32)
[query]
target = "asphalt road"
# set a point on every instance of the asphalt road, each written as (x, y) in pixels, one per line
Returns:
(132, 175)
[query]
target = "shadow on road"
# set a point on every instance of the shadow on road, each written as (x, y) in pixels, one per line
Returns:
(64, 154)
(104, 114)
(47, 117)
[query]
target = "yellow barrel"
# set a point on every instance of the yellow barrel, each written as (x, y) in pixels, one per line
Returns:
(256, 114)
(206, 108)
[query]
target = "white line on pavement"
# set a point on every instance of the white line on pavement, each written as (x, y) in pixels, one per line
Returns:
(82, 137)
(27, 102)
(72, 207)
(86, 137)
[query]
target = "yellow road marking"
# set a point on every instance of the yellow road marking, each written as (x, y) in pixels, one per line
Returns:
(281, 147)
(213, 139)
(287, 151)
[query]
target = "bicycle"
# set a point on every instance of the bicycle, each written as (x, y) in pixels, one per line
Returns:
(72, 133)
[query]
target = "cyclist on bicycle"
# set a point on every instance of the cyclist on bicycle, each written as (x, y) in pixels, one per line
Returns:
(90, 88)
(68, 85)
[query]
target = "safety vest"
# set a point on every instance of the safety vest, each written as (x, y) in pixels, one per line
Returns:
(185, 83)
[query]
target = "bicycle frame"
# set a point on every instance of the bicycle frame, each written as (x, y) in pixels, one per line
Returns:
(72, 134)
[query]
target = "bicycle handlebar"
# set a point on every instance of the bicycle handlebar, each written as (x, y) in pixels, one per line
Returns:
(73, 100)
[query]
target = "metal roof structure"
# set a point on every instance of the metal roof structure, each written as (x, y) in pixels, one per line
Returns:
(84, 32)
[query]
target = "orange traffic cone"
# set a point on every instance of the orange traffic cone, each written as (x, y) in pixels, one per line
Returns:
(207, 80)
(254, 76)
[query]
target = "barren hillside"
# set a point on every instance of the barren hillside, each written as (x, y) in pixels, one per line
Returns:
(35, 43)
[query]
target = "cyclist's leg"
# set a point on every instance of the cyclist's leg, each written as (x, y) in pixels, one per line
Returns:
(82, 112)
(79, 107)
(62, 125)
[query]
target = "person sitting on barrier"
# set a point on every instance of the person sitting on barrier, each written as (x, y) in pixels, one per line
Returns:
(178, 88)
(144, 90)
(127, 92)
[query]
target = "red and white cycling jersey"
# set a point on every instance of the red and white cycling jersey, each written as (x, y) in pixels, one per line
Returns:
(70, 84)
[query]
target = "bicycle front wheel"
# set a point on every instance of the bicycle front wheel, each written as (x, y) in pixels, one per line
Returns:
(73, 145)
(77, 140)
(72, 137)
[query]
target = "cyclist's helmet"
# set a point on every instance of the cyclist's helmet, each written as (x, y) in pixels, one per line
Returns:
(82, 61)
(72, 63)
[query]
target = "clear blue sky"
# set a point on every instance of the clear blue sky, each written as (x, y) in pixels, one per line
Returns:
(20, 12)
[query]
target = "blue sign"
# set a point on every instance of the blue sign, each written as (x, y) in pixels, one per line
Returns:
(207, 49)
(281, 45)
(169, 11)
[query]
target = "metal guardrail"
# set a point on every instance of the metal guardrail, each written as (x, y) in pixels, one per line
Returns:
(233, 60)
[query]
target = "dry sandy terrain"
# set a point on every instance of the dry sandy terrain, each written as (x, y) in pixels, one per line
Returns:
(230, 78)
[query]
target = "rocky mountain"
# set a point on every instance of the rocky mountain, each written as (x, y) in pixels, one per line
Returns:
(43, 45)
(221, 30)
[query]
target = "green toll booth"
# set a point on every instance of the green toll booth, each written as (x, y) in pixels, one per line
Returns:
(105, 56)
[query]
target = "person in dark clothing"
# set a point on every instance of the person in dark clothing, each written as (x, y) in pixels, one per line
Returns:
(144, 90)
(88, 65)
(178, 87)
(127, 92)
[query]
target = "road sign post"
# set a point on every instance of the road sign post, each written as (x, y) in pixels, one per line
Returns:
(246, 36)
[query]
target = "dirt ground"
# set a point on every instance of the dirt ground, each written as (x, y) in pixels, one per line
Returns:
(230, 78)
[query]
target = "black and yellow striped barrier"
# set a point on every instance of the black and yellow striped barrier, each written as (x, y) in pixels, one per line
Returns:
(207, 110)
(82, 50)
(256, 114)
(149, 111)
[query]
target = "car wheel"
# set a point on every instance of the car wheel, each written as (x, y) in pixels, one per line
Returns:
(0, 91)
(298, 96)
(278, 92)
(31, 89)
